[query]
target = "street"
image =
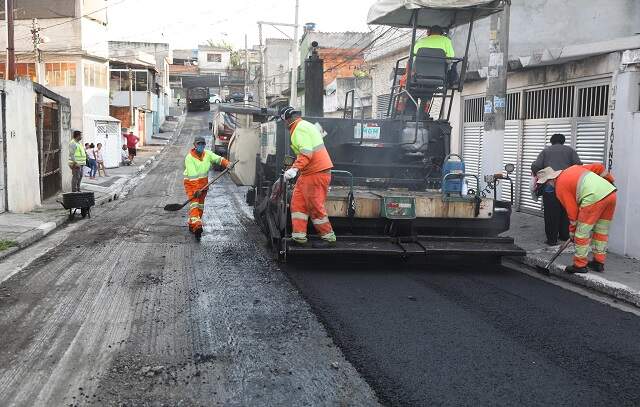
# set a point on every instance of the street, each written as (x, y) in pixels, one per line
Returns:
(129, 310)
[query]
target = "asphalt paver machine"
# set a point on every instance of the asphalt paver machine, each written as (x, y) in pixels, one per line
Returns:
(396, 189)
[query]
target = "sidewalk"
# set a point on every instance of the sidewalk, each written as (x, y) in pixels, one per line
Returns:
(22, 230)
(620, 280)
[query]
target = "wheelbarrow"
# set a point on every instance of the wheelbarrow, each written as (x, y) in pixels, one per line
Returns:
(74, 201)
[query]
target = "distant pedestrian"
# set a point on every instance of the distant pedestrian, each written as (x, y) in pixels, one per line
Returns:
(124, 155)
(588, 195)
(559, 157)
(132, 143)
(100, 160)
(91, 161)
(77, 160)
(178, 101)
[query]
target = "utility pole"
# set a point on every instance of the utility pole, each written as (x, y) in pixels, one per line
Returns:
(263, 75)
(37, 40)
(11, 50)
(495, 101)
(296, 55)
(131, 99)
(246, 71)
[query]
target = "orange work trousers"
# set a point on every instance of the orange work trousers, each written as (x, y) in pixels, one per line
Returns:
(592, 229)
(309, 196)
(196, 206)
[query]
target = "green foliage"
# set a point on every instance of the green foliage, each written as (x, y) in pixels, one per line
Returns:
(7, 244)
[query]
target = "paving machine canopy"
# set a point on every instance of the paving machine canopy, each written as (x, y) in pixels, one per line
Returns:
(445, 13)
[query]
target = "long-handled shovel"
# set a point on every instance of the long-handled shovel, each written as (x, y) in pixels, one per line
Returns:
(176, 206)
(545, 269)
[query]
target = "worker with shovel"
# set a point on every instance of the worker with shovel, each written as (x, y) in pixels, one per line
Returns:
(197, 165)
(588, 195)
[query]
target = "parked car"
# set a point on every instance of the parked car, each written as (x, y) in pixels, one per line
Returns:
(238, 97)
(215, 98)
(222, 128)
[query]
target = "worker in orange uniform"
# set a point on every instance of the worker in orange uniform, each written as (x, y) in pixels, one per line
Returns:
(197, 165)
(588, 195)
(313, 164)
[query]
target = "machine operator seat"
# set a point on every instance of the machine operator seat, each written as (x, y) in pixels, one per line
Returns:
(429, 73)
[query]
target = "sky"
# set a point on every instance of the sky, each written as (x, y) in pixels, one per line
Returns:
(186, 23)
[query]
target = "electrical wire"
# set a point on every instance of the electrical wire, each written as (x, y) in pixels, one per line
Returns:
(359, 52)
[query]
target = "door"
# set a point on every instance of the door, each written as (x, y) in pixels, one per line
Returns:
(510, 156)
(48, 130)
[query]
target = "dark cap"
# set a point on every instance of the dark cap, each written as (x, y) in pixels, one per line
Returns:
(199, 139)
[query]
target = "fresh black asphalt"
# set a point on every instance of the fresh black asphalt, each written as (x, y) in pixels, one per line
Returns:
(477, 335)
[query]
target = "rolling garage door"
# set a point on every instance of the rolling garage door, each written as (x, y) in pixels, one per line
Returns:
(592, 124)
(510, 156)
(472, 151)
(536, 136)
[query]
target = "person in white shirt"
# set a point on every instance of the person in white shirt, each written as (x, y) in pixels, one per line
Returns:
(124, 155)
(100, 160)
(91, 161)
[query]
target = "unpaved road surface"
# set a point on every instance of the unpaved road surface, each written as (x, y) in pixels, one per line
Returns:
(129, 310)
(476, 335)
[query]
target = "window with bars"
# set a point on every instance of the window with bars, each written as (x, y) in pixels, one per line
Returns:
(549, 103)
(474, 108)
(593, 101)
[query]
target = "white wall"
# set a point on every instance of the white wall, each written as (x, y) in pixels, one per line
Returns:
(121, 98)
(213, 66)
(626, 166)
(23, 175)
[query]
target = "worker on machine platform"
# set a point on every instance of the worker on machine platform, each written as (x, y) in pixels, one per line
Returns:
(197, 165)
(314, 165)
(589, 197)
(437, 40)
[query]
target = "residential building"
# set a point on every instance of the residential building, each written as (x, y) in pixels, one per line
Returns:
(277, 60)
(336, 92)
(163, 56)
(75, 61)
(213, 60)
(133, 86)
(341, 52)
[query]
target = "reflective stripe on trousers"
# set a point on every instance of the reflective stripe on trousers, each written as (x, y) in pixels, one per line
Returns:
(592, 230)
(309, 196)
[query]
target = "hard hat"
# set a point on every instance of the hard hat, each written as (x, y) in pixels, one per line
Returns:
(199, 139)
(286, 112)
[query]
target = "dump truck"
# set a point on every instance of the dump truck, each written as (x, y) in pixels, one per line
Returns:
(396, 188)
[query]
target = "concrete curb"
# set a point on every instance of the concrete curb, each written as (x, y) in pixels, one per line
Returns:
(590, 280)
(35, 235)
(112, 194)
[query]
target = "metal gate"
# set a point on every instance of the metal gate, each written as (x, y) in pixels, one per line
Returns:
(48, 130)
(579, 111)
(382, 106)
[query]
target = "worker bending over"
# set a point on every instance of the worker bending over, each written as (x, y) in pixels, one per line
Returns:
(588, 195)
(313, 164)
(197, 165)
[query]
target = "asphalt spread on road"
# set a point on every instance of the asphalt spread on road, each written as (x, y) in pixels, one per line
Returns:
(473, 335)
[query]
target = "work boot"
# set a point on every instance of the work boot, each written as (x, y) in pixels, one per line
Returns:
(596, 266)
(572, 269)
(300, 243)
(198, 234)
(323, 244)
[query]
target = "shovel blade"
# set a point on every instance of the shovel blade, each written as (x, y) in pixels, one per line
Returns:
(173, 207)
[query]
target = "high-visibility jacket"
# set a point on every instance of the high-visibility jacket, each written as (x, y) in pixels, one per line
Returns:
(77, 154)
(437, 42)
(197, 167)
(308, 145)
(583, 185)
